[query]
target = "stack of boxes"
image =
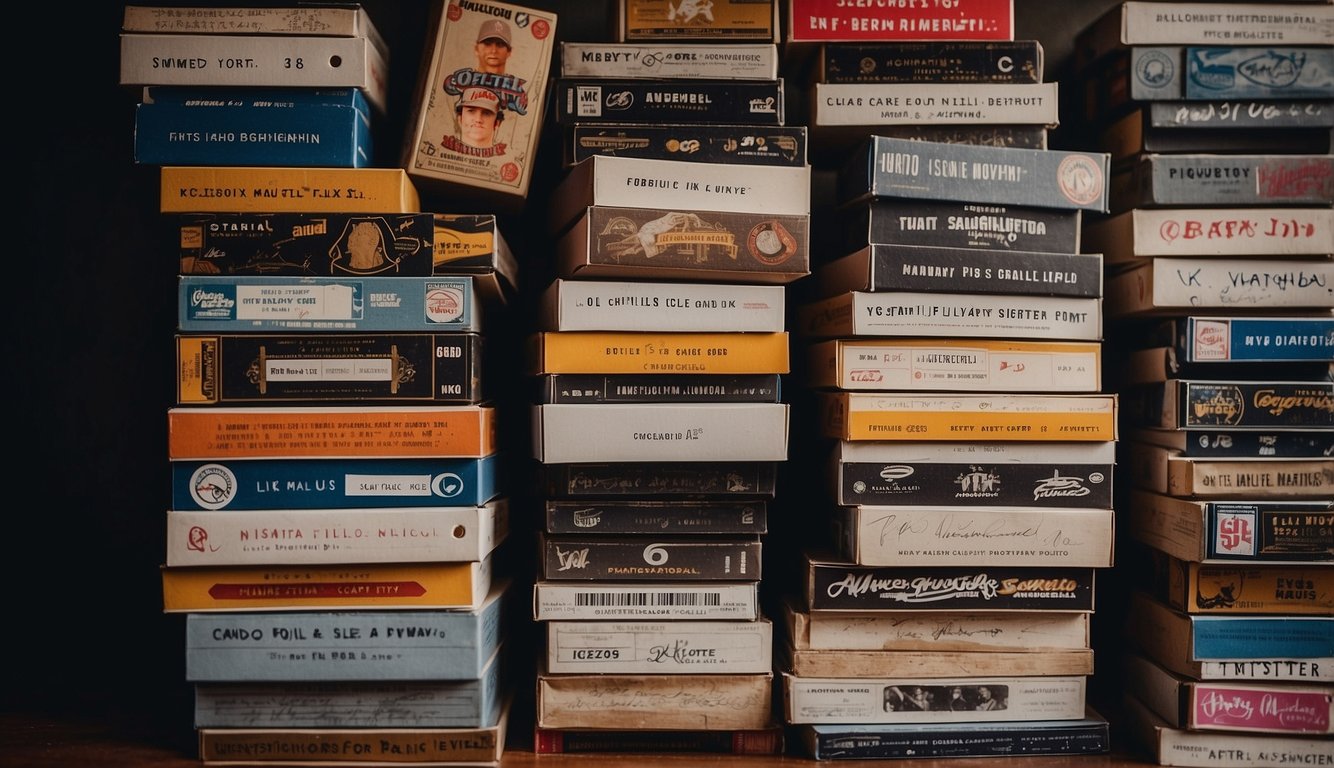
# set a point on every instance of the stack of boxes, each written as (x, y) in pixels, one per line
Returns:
(659, 425)
(952, 346)
(335, 506)
(972, 471)
(1218, 259)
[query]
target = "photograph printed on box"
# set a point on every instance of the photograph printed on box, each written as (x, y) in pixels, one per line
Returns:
(484, 104)
(936, 698)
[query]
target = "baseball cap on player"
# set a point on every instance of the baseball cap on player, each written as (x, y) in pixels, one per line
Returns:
(494, 29)
(480, 97)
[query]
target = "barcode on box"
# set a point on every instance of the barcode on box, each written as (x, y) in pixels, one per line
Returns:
(622, 599)
(554, 601)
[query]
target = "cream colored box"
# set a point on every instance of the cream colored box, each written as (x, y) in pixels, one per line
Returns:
(479, 104)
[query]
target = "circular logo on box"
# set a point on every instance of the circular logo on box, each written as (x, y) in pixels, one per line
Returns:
(1080, 179)
(447, 485)
(454, 12)
(770, 243)
(213, 486)
(1154, 69)
(541, 29)
(444, 304)
(509, 172)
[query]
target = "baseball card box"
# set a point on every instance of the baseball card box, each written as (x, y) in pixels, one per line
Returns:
(479, 102)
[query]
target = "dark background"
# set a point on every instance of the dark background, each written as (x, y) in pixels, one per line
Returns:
(90, 360)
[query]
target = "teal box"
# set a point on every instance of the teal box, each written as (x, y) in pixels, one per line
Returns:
(269, 303)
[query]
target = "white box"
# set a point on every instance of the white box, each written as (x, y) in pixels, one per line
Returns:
(663, 60)
(1019, 536)
(660, 647)
(1162, 284)
(255, 60)
(333, 536)
(901, 313)
(631, 182)
(871, 104)
(596, 305)
(660, 432)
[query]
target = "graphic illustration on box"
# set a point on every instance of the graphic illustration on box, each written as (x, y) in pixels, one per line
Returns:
(768, 241)
(1257, 72)
(697, 20)
(491, 74)
(363, 248)
(303, 244)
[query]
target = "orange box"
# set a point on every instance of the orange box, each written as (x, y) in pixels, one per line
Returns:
(462, 585)
(463, 431)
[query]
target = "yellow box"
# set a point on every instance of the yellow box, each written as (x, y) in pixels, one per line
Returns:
(269, 189)
(731, 21)
(643, 352)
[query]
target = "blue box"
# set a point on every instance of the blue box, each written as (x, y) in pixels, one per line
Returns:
(1261, 637)
(1255, 339)
(445, 704)
(268, 303)
(344, 645)
(305, 127)
(332, 483)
